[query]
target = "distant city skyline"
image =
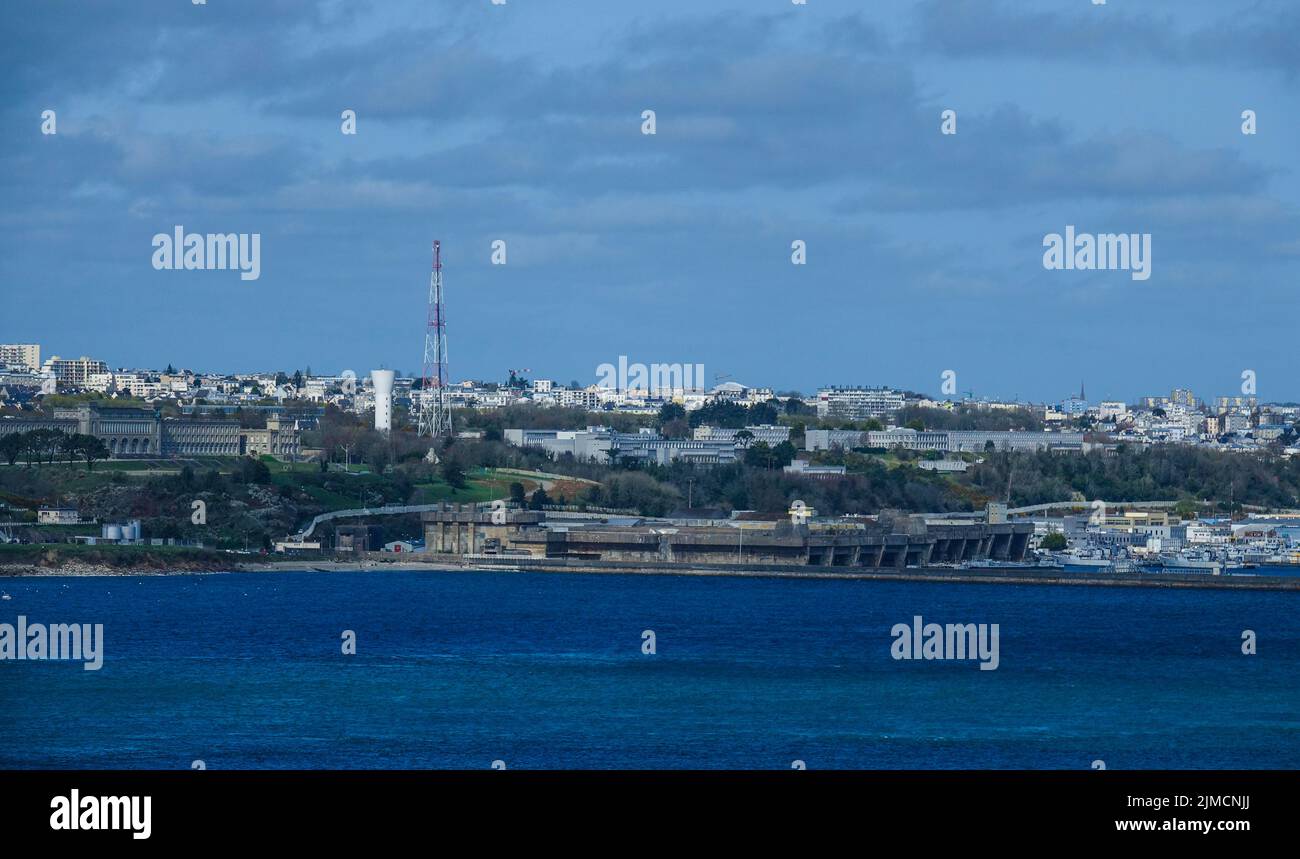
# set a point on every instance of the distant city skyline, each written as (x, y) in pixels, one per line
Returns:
(599, 379)
(523, 123)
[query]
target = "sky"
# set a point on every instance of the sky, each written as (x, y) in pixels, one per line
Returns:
(774, 123)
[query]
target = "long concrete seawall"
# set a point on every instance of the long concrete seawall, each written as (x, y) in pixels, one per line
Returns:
(994, 575)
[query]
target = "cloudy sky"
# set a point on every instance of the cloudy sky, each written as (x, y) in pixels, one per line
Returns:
(775, 122)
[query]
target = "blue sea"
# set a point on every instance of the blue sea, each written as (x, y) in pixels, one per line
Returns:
(461, 669)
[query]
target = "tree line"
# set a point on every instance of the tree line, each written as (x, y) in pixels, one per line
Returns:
(41, 446)
(1225, 479)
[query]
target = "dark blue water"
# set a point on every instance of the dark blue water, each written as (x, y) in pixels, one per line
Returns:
(540, 670)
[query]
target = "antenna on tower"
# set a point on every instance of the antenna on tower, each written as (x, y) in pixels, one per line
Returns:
(435, 410)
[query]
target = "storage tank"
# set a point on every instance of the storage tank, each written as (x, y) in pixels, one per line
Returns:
(383, 383)
(112, 532)
(132, 530)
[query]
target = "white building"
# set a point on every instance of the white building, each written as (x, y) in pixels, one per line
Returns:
(1209, 535)
(858, 403)
(585, 398)
(1112, 410)
(58, 516)
(802, 468)
(74, 372)
(21, 355)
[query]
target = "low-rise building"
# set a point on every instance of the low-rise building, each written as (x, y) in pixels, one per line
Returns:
(58, 516)
(947, 441)
(767, 433)
(874, 544)
(944, 466)
(802, 468)
(600, 444)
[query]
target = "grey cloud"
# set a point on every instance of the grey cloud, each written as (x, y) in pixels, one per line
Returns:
(1262, 36)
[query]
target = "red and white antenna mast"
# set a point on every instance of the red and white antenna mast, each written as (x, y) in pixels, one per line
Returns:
(435, 409)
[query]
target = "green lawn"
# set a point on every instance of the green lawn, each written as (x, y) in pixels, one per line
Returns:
(280, 467)
(307, 478)
(327, 499)
(430, 493)
(331, 490)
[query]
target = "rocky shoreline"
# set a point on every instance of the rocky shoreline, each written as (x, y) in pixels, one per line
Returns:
(83, 569)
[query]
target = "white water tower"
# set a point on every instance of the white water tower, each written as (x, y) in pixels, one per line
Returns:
(383, 382)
